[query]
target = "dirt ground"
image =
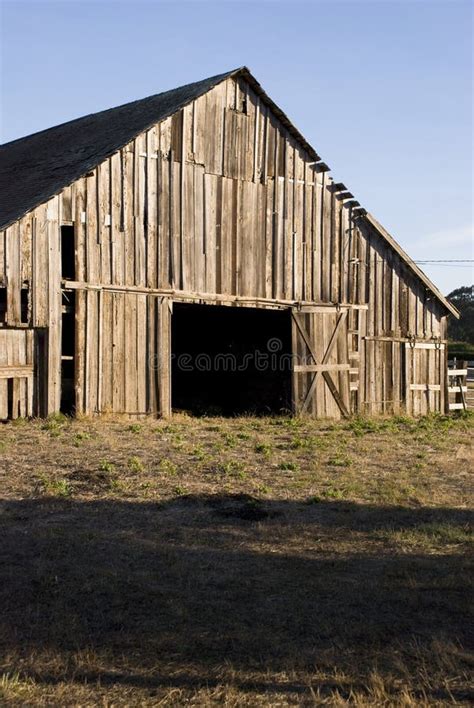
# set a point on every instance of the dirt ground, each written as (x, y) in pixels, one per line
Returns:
(236, 562)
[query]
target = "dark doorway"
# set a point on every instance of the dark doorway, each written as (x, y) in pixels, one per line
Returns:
(68, 338)
(230, 360)
(68, 256)
(68, 323)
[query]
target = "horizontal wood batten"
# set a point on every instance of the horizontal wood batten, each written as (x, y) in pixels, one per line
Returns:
(184, 296)
(15, 372)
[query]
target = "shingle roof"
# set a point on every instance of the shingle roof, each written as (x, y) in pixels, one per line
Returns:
(35, 168)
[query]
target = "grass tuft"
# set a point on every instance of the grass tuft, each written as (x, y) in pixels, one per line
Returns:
(135, 464)
(55, 487)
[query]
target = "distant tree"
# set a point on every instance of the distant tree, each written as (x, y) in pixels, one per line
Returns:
(462, 330)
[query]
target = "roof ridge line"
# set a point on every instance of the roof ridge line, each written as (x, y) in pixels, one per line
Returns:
(218, 77)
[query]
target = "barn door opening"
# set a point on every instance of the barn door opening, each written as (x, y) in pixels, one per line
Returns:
(230, 360)
(68, 321)
(68, 338)
(322, 366)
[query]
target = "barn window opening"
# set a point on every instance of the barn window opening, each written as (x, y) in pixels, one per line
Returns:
(25, 305)
(68, 256)
(3, 305)
(10, 410)
(230, 360)
(68, 343)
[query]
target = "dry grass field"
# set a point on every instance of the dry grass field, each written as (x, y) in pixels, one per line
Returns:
(236, 562)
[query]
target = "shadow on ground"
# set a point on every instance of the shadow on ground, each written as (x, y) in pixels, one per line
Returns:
(202, 582)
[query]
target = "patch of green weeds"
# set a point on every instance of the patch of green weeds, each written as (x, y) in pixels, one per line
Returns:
(255, 425)
(135, 464)
(361, 426)
(55, 487)
(292, 422)
(263, 489)
(263, 448)
(116, 485)
(309, 442)
(20, 421)
(106, 466)
(331, 493)
(243, 436)
(290, 466)
(340, 461)
(199, 453)
(167, 466)
(168, 429)
(230, 439)
(53, 427)
(80, 437)
(230, 468)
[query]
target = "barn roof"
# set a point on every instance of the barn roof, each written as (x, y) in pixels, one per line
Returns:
(35, 168)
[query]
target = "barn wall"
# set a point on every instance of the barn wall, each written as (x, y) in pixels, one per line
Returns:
(122, 352)
(30, 273)
(214, 200)
(218, 199)
(400, 308)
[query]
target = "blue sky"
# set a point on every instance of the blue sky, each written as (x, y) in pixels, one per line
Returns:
(381, 88)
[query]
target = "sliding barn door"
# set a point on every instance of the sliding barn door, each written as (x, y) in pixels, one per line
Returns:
(322, 368)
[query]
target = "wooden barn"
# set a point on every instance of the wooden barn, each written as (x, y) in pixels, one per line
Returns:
(190, 250)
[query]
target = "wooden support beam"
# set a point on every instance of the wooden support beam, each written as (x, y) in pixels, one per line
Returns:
(15, 372)
(202, 297)
(344, 195)
(312, 368)
(321, 167)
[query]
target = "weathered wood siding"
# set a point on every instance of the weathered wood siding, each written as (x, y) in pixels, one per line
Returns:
(30, 263)
(400, 309)
(218, 199)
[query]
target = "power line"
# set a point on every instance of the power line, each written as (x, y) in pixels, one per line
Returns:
(452, 263)
(447, 260)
